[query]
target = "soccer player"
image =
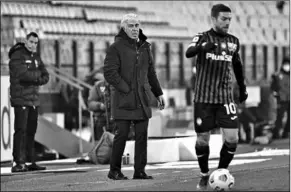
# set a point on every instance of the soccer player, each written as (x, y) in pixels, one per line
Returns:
(217, 54)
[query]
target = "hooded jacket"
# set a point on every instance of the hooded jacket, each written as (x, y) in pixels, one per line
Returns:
(97, 96)
(129, 69)
(27, 73)
(280, 84)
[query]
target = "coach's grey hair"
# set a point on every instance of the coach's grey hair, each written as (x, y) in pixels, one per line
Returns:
(127, 17)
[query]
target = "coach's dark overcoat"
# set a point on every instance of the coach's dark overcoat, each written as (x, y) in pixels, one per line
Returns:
(129, 69)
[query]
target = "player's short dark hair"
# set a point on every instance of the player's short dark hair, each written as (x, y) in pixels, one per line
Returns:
(33, 34)
(219, 8)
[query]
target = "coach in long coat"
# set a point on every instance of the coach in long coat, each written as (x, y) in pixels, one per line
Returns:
(130, 71)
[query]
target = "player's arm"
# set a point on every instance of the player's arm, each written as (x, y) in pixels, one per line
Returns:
(198, 45)
(195, 46)
(239, 74)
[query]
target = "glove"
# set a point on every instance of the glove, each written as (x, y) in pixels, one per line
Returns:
(208, 46)
(243, 95)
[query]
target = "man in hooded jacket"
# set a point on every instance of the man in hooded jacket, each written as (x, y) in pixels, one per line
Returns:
(27, 73)
(280, 87)
(129, 69)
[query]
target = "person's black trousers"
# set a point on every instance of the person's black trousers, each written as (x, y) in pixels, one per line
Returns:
(25, 125)
(284, 107)
(246, 117)
(121, 135)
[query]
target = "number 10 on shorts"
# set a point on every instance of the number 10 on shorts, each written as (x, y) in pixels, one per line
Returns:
(230, 108)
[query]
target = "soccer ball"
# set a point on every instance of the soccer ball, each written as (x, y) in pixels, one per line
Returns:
(221, 180)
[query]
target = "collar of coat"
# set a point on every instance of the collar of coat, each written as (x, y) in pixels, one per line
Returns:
(16, 47)
(123, 36)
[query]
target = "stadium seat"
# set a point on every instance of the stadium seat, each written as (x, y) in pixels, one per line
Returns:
(55, 28)
(265, 22)
(60, 25)
(247, 36)
(75, 27)
(286, 10)
(275, 22)
(45, 11)
(287, 33)
(28, 10)
(14, 9)
(261, 8)
(285, 24)
(47, 25)
(237, 7)
(235, 22)
(271, 5)
(253, 21)
(38, 10)
(27, 23)
(66, 27)
(19, 33)
(259, 37)
(4, 8)
(239, 33)
(242, 21)
(280, 37)
(193, 15)
(87, 28)
(270, 36)
(20, 9)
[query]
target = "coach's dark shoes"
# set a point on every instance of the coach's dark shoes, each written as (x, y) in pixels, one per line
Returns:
(35, 167)
(116, 175)
(141, 175)
(19, 168)
(202, 185)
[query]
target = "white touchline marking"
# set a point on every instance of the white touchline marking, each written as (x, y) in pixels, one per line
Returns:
(64, 161)
(82, 183)
(193, 164)
(176, 171)
(276, 152)
(7, 170)
(158, 173)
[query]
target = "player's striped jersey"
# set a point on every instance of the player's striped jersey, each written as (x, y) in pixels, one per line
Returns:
(214, 68)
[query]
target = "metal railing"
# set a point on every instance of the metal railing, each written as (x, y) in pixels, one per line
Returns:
(72, 78)
(78, 84)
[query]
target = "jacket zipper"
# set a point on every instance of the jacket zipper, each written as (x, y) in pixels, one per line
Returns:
(137, 52)
(135, 70)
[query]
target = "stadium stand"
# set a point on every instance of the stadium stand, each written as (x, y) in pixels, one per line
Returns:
(165, 22)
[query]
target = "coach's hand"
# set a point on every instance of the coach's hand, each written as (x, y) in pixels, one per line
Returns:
(243, 95)
(161, 102)
(208, 46)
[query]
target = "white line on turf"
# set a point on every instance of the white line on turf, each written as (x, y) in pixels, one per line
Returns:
(192, 164)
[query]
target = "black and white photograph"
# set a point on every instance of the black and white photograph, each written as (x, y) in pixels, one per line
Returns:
(145, 95)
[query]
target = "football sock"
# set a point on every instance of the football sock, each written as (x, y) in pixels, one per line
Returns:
(226, 154)
(202, 153)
